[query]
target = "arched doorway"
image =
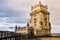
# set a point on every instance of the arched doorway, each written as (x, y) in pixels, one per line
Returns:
(31, 32)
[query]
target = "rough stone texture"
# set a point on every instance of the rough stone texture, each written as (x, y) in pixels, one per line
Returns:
(40, 20)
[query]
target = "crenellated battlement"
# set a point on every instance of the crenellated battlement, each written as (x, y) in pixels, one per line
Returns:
(40, 5)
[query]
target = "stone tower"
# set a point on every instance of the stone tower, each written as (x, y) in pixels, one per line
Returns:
(40, 20)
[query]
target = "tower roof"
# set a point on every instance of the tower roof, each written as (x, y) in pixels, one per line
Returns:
(40, 4)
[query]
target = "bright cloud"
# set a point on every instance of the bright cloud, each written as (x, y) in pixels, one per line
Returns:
(55, 29)
(13, 20)
(10, 26)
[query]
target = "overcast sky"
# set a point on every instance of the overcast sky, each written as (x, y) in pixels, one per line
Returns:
(14, 12)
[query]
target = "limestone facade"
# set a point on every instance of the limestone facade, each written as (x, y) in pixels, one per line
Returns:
(40, 20)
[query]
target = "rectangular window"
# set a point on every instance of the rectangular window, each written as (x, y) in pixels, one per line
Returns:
(41, 23)
(34, 20)
(35, 24)
(45, 21)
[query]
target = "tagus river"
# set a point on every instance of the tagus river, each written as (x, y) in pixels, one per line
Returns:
(45, 38)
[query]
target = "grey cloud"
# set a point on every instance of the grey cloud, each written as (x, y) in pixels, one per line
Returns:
(17, 16)
(13, 20)
(8, 12)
